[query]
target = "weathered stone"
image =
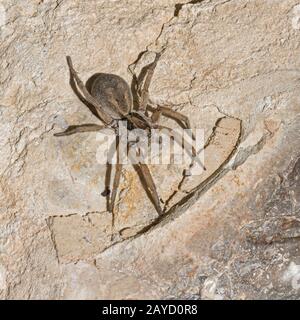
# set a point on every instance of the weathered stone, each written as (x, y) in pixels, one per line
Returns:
(231, 232)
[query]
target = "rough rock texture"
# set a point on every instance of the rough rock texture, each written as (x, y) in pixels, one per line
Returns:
(231, 233)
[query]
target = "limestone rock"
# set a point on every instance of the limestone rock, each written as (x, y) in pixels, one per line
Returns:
(230, 232)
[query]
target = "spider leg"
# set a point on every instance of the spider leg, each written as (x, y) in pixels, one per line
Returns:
(149, 185)
(90, 99)
(147, 182)
(143, 117)
(106, 193)
(111, 204)
(79, 128)
(116, 182)
(111, 196)
(144, 80)
(134, 88)
(115, 186)
(168, 112)
(82, 99)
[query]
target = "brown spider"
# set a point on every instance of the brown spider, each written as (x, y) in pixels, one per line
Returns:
(109, 97)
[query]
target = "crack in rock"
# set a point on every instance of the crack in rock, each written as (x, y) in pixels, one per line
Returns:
(70, 232)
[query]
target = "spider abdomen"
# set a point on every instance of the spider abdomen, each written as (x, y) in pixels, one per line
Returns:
(113, 93)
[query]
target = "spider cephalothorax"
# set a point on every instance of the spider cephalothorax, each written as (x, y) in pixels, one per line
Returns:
(110, 98)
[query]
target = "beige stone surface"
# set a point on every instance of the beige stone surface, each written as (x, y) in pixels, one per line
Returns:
(231, 232)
